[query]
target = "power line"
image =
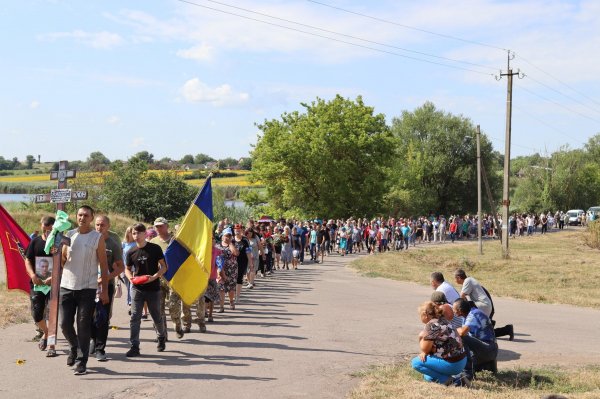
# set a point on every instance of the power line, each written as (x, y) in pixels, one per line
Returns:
(408, 26)
(477, 43)
(512, 143)
(560, 105)
(563, 94)
(558, 80)
(543, 122)
(337, 40)
(350, 36)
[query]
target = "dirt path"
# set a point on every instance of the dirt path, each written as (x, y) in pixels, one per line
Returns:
(299, 334)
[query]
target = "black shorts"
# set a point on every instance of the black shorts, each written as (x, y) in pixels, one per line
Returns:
(39, 301)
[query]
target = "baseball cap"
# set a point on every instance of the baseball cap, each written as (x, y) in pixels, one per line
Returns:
(227, 231)
(237, 227)
(160, 221)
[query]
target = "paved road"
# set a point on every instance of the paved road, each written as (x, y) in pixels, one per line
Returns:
(300, 334)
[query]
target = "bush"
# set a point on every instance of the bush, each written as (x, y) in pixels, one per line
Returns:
(130, 189)
(592, 236)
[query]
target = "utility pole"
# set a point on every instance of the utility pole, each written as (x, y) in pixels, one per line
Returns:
(479, 223)
(506, 190)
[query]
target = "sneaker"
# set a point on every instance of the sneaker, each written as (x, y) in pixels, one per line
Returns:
(464, 381)
(179, 333)
(248, 285)
(187, 330)
(71, 358)
(161, 345)
(145, 316)
(101, 355)
(92, 347)
(133, 352)
(202, 328)
(80, 369)
(511, 334)
(210, 319)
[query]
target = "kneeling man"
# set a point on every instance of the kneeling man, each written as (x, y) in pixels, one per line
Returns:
(478, 337)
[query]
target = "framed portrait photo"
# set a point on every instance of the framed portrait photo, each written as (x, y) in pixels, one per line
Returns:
(43, 266)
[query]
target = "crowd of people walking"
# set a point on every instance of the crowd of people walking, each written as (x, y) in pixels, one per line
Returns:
(100, 267)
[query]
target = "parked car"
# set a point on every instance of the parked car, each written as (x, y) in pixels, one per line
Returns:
(575, 216)
(593, 213)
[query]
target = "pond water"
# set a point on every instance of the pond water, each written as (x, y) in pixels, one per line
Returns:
(16, 197)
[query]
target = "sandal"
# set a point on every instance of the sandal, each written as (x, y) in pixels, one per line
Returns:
(43, 344)
(51, 353)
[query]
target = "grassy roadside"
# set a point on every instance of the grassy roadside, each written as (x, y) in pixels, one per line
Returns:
(560, 260)
(400, 381)
(554, 268)
(14, 307)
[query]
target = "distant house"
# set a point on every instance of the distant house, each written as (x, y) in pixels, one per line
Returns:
(211, 165)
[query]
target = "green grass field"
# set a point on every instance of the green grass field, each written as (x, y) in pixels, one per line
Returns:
(562, 261)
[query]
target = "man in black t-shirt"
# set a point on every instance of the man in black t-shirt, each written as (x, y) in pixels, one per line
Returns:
(147, 262)
(40, 288)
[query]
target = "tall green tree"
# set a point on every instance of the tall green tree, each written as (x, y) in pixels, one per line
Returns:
(30, 160)
(187, 159)
(144, 156)
(97, 161)
(132, 190)
(436, 163)
(202, 159)
(332, 159)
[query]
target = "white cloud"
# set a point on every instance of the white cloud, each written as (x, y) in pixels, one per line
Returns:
(34, 104)
(100, 40)
(195, 91)
(202, 52)
(137, 142)
(113, 120)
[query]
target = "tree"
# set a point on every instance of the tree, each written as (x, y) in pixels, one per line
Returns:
(436, 163)
(143, 156)
(97, 161)
(330, 160)
(5, 164)
(246, 163)
(201, 159)
(132, 190)
(227, 163)
(30, 160)
(187, 159)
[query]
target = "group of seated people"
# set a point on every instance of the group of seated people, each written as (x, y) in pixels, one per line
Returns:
(458, 338)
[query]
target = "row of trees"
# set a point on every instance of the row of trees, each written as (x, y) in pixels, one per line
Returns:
(12, 164)
(340, 158)
(566, 179)
(98, 161)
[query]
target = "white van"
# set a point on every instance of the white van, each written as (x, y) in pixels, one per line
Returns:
(575, 216)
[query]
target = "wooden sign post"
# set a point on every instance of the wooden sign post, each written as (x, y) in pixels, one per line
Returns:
(60, 196)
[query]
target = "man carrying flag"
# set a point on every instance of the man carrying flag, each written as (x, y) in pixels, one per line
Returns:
(190, 253)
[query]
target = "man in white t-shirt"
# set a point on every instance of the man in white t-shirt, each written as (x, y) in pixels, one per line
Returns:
(473, 291)
(79, 284)
(439, 284)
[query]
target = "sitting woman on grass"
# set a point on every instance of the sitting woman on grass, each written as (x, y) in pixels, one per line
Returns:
(442, 353)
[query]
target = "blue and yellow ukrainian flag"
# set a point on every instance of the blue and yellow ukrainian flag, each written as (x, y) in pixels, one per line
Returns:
(189, 255)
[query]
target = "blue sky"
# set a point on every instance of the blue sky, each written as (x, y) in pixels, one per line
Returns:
(174, 78)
